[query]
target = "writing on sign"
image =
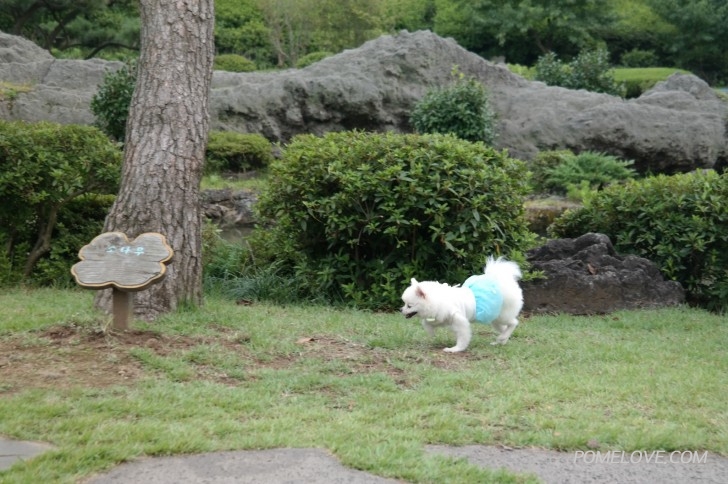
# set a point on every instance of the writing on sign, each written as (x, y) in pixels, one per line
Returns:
(126, 249)
(112, 260)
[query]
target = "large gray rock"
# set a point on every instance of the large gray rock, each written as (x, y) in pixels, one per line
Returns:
(586, 276)
(678, 126)
(60, 89)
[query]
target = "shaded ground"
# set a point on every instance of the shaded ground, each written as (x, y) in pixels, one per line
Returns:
(73, 356)
(77, 356)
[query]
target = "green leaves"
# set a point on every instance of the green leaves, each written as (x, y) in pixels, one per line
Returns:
(43, 167)
(111, 102)
(238, 152)
(357, 214)
(560, 171)
(680, 222)
(461, 109)
(590, 71)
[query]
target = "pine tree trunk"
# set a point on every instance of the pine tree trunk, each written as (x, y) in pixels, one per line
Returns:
(164, 147)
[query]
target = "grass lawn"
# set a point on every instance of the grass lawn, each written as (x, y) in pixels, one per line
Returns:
(372, 388)
(622, 74)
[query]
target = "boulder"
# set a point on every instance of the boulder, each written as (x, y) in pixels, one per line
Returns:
(586, 276)
(60, 89)
(678, 126)
(229, 208)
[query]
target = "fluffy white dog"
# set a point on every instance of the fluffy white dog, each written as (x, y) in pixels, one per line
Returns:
(493, 297)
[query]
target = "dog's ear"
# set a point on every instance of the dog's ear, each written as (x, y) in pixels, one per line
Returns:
(413, 281)
(420, 293)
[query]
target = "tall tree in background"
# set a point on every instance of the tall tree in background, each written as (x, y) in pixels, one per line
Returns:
(290, 27)
(164, 148)
(699, 42)
(524, 30)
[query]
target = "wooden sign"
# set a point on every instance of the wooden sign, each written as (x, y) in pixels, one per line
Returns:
(112, 261)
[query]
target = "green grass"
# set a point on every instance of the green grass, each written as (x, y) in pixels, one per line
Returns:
(373, 388)
(621, 74)
(656, 74)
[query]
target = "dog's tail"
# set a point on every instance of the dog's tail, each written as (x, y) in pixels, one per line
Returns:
(501, 268)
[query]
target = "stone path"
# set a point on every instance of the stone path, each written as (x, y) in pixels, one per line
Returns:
(317, 466)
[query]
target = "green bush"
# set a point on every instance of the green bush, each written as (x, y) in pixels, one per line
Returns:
(236, 152)
(462, 109)
(79, 222)
(43, 167)
(111, 102)
(312, 58)
(233, 63)
(680, 222)
(541, 164)
(523, 71)
(550, 70)
(353, 216)
(590, 70)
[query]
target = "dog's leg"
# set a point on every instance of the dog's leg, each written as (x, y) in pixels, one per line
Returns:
(505, 332)
(463, 333)
(428, 327)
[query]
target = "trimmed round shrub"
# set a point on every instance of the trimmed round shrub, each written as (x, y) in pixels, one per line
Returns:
(680, 222)
(353, 215)
(312, 58)
(43, 168)
(229, 151)
(462, 109)
(233, 63)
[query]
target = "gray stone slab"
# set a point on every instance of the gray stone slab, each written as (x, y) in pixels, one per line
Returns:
(12, 451)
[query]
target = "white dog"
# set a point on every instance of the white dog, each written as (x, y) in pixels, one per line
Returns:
(493, 297)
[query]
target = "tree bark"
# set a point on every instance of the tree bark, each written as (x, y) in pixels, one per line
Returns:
(164, 149)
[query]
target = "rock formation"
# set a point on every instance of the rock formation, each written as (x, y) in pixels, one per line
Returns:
(678, 126)
(586, 276)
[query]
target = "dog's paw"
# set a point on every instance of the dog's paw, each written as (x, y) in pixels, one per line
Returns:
(454, 349)
(499, 342)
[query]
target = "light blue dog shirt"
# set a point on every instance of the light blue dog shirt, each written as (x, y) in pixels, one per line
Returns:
(488, 298)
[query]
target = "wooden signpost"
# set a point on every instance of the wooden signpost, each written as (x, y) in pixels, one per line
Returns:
(111, 260)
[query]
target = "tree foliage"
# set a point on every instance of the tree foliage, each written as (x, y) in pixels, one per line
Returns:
(699, 40)
(276, 33)
(87, 27)
(522, 30)
(240, 28)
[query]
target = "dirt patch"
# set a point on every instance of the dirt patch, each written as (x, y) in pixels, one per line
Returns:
(71, 355)
(74, 356)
